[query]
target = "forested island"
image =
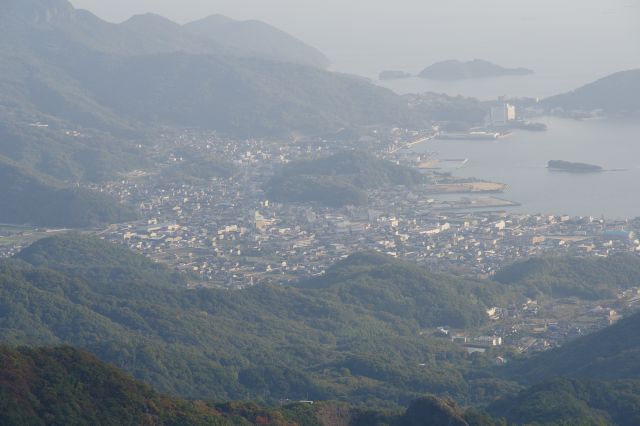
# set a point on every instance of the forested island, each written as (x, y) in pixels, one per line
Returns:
(567, 166)
(478, 68)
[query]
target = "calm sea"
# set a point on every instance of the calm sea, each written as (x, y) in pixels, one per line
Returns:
(520, 161)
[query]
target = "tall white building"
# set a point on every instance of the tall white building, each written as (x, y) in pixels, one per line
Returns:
(501, 115)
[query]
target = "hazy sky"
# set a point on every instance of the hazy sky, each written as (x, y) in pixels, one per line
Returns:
(365, 36)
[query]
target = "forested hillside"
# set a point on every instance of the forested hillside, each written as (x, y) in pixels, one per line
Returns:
(67, 386)
(340, 179)
(574, 402)
(565, 276)
(609, 354)
(344, 336)
(27, 198)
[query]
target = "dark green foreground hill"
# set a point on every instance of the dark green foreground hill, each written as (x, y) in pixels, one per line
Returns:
(65, 386)
(353, 335)
(573, 402)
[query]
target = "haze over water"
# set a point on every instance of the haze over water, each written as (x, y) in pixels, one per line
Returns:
(568, 44)
(520, 161)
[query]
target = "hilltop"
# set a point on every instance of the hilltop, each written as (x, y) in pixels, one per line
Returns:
(256, 38)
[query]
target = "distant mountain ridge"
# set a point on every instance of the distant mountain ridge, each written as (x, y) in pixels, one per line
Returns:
(71, 70)
(258, 39)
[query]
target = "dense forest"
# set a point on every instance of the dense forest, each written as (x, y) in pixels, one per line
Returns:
(354, 334)
(586, 278)
(67, 386)
(64, 385)
(609, 354)
(574, 402)
(340, 179)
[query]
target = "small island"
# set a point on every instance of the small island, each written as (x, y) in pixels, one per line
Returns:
(394, 75)
(478, 68)
(566, 166)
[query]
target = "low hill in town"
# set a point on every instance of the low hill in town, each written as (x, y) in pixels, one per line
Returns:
(340, 179)
(257, 38)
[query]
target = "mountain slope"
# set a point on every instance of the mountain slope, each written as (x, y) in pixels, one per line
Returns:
(31, 199)
(586, 278)
(321, 340)
(64, 385)
(609, 354)
(256, 38)
(616, 94)
(67, 64)
(572, 401)
(67, 386)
